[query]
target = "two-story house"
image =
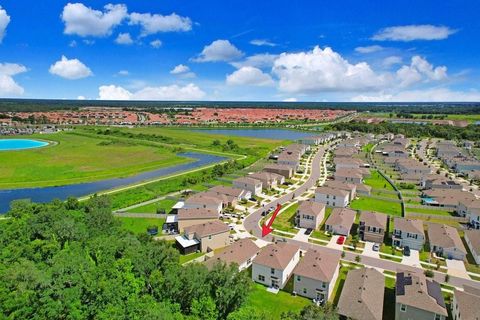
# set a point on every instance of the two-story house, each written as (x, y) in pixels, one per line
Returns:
(310, 214)
(372, 226)
(408, 233)
(332, 197)
(340, 221)
(250, 184)
(241, 253)
(204, 237)
(446, 242)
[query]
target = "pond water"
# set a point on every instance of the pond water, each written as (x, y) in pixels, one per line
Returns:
(276, 134)
(47, 194)
(20, 144)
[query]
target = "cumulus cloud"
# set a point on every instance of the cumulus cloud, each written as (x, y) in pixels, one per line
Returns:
(85, 21)
(249, 76)
(4, 21)
(413, 32)
(172, 92)
(425, 95)
(8, 86)
(124, 38)
(262, 42)
(391, 61)
(368, 49)
(71, 69)
(262, 60)
(181, 68)
(420, 70)
(219, 50)
(156, 43)
(323, 70)
(155, 23)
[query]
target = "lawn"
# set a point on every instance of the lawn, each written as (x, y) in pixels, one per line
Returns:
(285, 220)
(189, 257)
(274, 304)
(383, 206)
(165, 204)
(75, 158)
(377, 181)
(140, 225)
(429, 211)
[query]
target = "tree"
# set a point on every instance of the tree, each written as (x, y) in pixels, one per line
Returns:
(204, 309)
(313, 312)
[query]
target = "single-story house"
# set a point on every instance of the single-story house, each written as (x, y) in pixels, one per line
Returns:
(241, 252)
(445, 241)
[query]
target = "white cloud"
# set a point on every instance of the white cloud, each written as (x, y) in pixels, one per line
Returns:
(124, 38)
(391, 61)
(4, 21)
(72, 69)
(8, 86)
(123, 73)
(324, 70)
(219, 50)
(262, 42)
(420, 70)
(249, 76)
(85, 21)
(290, 100)
(368, 49)
(172, 92)
(414, 32)
(81, 98)
(181, 68)
(156, 43)
(425, 95)
(262, 60)
(72, 44)
(155, 23)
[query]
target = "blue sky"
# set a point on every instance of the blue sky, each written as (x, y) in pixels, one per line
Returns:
(241, 50)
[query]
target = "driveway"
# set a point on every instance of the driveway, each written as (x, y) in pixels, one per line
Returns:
(368, 251)
(457, 268)
(413, 260)
(301, 236)
(333, 243)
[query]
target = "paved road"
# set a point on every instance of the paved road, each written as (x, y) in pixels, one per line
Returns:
(251, 222)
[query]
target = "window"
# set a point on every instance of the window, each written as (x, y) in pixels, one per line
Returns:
(261, 278)
(272, 271)
(299, 278)
(403, 308)
(305, 290)
(209, 237)
(438, 317)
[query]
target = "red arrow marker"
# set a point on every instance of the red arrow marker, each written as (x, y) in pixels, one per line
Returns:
(266, 227)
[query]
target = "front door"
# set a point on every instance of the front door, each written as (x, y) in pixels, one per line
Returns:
(275, 283)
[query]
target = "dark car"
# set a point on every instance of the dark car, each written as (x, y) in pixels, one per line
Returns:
(406, 251)
(308, 231)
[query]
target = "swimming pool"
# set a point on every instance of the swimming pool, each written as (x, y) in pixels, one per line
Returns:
(20, 144)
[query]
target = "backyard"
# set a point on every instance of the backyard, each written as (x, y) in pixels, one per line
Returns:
(140, 225)
(372, 204)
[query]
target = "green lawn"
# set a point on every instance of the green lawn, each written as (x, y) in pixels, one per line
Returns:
(383, 206)
(274, 304)
(165, 204)
(285, 220)
(429, 211)
(75, 158)
(140, 225)
(377, 181)
(189, 257)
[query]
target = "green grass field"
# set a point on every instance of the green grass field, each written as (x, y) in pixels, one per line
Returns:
(377, 181)
(370, 204)
(285, 220)
(429, 211)
(165, 204)
(140, 225)
(274, 304)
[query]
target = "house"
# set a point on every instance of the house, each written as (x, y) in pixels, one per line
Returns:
(290, 160)
(284, 170)
(269, 180)
(204, 237)
(189, 217)
(408, 233)
(465, 304)
(446, 198)
(241, 253)
(472, 238)
(340, 221)
(310, 214)
(348, 163)
(363, 189)
(419, 298)
(471, 210)
(348, 175)
(350, 187)
(362, 295)
(316, 274)
(238, 193)
(372, 226)
(250, 184)
(332, 197)
(344, 152)
(274, 265)
(439, 182)
(204, 201)
(445, 241)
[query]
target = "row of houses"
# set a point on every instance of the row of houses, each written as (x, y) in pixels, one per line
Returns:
(457, 158)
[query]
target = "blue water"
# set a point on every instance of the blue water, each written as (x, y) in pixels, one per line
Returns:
(277, 134)
(20, 144)
(47, 194)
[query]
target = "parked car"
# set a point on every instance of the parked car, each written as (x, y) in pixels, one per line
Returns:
(341, 240)
(406, 251)
(308, 231)
(376, 247)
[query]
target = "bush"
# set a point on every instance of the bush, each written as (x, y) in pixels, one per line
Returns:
(428, 273)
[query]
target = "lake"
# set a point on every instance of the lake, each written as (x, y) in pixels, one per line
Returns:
(47, 194)
(20, 144)
(276, 134)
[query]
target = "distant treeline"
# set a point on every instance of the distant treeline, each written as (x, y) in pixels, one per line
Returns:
(30, 105)
(472, 132)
